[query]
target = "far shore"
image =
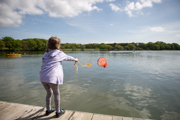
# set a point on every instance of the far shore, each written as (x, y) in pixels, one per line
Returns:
(6, 50)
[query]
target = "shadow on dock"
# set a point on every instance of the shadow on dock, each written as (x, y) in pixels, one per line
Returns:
(15, 111)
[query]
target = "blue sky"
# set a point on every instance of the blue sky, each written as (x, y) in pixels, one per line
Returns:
(92, 21)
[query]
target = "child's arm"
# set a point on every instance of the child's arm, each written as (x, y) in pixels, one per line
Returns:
(65, 57)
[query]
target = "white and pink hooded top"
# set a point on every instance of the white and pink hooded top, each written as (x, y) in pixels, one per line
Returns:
(51, 69)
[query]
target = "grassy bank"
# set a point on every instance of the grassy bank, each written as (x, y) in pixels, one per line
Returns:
(6, 49)
(79, 50)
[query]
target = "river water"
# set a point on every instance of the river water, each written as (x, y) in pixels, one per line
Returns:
(141, 84)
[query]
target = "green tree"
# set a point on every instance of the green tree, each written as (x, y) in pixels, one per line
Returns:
(9, 42)
(82, 47)
(161, 45)
(91, 45)
(96, 49)
(68, 46)
(40, 44)
(102, 47)
(172, 47)
(25, 45)
(109, 47)
(17, 45)
(74, 48)
(131, 47)
(77, 45)
(105, 47)
(2, 44)
(168, 46)
(118, 47)
(150, 46)
(156, 47)
(32, 44)
(62, 47)
(142, 45)
(176, 46)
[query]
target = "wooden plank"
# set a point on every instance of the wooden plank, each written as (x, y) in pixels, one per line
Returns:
(1, 103)
(101, 117)
(76, 116)
(18, 112)
(52, 116)
(65, 116)
(138, 119)
(87, 116)
(42, 116)
(127, 118)
(81, 116)
(31, 112)
(4, 105)
(11, 111)
(117, 118)
(24, 112)
(15, 110)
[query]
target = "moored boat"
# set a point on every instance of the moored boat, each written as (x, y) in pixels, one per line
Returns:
(13, 54)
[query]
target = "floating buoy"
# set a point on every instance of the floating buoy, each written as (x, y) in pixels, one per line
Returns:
(102, 62)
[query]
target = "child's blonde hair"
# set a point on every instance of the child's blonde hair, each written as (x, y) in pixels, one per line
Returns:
(53, 43)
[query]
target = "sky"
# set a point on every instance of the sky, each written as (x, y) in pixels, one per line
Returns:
(92, 21)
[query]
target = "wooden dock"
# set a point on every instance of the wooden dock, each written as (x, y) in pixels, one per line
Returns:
(15, 111)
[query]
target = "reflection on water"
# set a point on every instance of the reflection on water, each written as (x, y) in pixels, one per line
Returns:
(16, 56)
(141, 84)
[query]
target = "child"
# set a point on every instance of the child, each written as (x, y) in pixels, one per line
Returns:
(51, 74)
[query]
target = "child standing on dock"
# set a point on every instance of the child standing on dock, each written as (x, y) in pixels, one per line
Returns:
(51, 74)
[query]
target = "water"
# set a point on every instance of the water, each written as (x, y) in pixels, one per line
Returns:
(142, 84)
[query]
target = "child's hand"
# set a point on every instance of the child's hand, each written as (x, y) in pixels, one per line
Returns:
(76, 59)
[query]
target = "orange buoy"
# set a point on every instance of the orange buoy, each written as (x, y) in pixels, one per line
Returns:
(102, 62)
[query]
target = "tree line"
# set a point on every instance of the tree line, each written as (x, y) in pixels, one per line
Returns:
(36, 44)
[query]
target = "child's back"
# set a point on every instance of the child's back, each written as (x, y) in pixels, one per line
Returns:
(51, 74)
(51, 69)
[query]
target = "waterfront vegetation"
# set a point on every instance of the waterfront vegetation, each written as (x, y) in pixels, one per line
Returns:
(36, 44)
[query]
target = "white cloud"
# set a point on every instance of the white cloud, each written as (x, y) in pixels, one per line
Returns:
(157, 29)
(10, 17)
(132, 6)
(136, 7)
(154, 29)
(108, 42)
(70, 8)
(111, 24)
(114, 7)
(72, 24)
(156, 1)
(12, 11)
(110, 0)
(129, 9)
(178, 35)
